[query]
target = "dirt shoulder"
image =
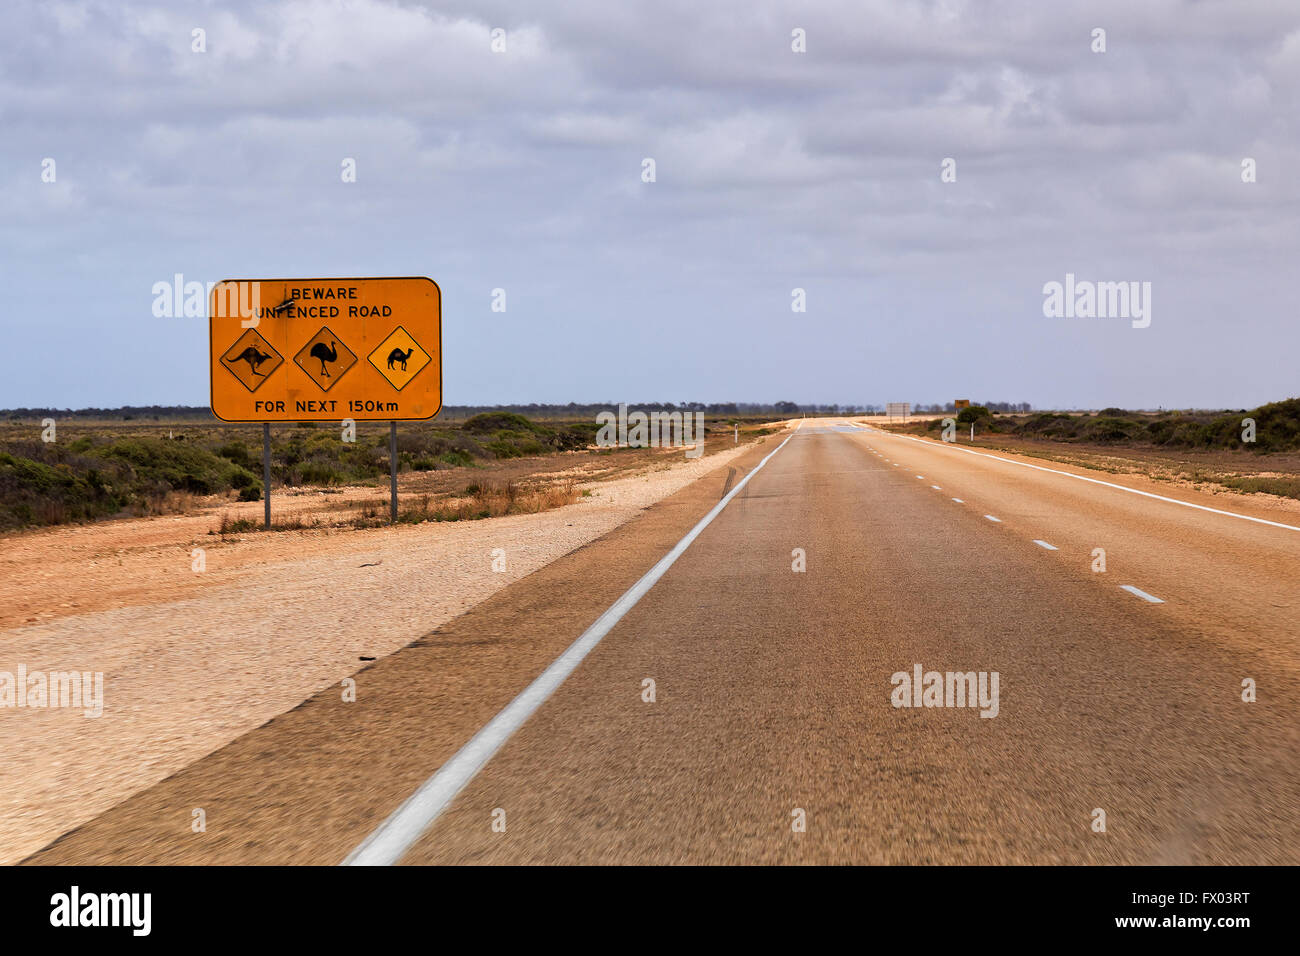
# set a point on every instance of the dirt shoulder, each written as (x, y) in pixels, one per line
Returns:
(193, 660)
(50, 573)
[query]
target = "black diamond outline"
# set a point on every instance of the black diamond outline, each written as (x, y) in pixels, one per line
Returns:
(227, 365)
(356, 359)
(370, 358)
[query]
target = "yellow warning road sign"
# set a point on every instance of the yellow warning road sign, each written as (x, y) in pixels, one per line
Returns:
(326, 325)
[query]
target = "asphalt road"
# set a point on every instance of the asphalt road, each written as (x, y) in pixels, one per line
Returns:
(773, 736)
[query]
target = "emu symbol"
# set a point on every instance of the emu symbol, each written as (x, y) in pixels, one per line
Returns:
(331, 354)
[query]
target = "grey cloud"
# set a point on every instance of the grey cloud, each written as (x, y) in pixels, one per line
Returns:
(775, 170)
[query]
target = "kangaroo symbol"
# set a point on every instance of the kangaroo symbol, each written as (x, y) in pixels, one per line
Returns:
(397, 355)
(253, 357)
(331, 354)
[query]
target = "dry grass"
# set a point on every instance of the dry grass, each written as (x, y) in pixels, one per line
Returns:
(166, 503)
(229, 525)
(487, 500)
(1284, 486)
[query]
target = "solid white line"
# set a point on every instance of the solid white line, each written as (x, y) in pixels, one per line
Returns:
(1098, 481)
(1140, 593)
(1044, 544)
(991, 518)
(959, 501)
(392, 838)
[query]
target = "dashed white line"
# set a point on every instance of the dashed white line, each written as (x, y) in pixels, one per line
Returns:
(922, 477)
(1142, 594)
(936, 488)
(1098, 481)
(1137, 592)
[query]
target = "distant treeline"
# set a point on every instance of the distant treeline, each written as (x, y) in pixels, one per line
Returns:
(588, 411)
(456, 413)
(1273, 427)
(124, 413)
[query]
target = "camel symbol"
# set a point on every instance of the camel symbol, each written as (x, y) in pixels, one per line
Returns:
(253, 357)
(397, 355)
(331, 354)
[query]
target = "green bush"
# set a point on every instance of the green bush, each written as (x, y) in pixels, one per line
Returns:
(1107, 431)
(179, 466)
(319, 473)
(37, 492)
(240, 455)
(457, 458)
(241, 478)
(491, 422)
(514, 445)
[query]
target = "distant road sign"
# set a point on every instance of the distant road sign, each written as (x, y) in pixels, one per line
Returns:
(960, 403)
(365, 349)
(898, 409)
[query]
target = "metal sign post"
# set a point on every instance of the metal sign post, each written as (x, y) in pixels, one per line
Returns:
(392, 467)
(266, 470)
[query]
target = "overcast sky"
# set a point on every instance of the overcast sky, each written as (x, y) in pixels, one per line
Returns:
(775, 170)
